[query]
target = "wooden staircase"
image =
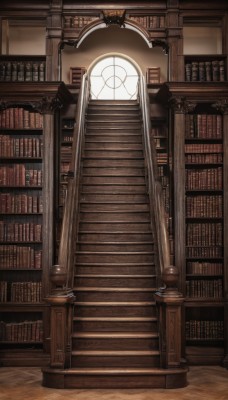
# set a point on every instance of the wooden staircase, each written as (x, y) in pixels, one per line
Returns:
(115, 339)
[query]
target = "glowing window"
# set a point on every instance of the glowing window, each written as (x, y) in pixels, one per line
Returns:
(114, 78)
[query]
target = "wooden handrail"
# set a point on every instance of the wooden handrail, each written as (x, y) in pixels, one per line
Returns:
(154, 186)
(62, 274)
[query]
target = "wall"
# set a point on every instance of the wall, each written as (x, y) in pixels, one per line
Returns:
(113, 40)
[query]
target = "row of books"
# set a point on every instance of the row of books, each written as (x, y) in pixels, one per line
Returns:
(17, 257)
(204, 158)
(20, 147)
(77, 21)
(162, 158)
(204, 288)
(22, 71)
(204, 251)
(204, 179)
(21, 332)
(151, 21)
(68, 138)
(204, 268)
(204, 234)
(205, 71)
(196, 329)
(20, 203)
(200, 206)
(20, 175)
(199, 148)
(203, 126)
(20, 232)
(20, 118)
(21, 292)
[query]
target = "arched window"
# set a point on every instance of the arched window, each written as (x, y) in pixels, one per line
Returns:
(114, 78)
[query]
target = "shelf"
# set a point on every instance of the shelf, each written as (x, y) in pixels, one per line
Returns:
(202, 302)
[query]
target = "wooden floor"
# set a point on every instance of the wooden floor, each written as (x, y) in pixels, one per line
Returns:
(205, 383)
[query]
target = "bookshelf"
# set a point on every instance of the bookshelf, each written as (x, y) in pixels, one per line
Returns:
(204, 228)
(198, 131)
(27, 125)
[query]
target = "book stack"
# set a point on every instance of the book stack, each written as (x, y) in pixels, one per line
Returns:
(204, 288)
(11, 203)
(20, 118)
(196, 329)
(16, 257)
(21, 332)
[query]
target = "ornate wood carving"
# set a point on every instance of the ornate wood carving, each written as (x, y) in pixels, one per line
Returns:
(115, 17)
(181, 105)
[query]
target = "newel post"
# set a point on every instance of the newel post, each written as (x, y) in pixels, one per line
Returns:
(169, 302)
(61, 301)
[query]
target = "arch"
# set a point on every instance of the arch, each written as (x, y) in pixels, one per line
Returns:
(114, 77)
(99, 24)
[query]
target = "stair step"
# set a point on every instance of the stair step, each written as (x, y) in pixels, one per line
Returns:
(113, 153)
(114, 324)
(115, 309)
(88, 256)
(115, 226)
(110, 179)
(98, 206)
(130, 198)
(115, 189)
(114, 129)
(113, 294)
(116, 341)
(115, 246)
(117, 216)
(134, 237)
(111, 268)
(107, 163)
(120, 109)
(114, 145)
(89, 358)
(115, 378)
(113, 171)
(113, 116)
(111, 138)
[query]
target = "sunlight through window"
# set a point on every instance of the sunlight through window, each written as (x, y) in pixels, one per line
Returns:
(114, 78)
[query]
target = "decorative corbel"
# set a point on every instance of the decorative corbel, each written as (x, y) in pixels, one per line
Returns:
(114, 17)
(181, 106)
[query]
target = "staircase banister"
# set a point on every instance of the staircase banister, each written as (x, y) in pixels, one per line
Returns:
(154, 184)
(61, 275)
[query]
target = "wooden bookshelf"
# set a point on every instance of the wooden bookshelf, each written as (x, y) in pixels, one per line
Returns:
(26, 228)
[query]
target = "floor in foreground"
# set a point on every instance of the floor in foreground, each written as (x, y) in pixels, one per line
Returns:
(204, 383)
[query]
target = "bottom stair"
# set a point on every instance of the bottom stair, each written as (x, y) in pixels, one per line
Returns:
(114, 378)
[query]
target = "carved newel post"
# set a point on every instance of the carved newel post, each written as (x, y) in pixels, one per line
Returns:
(61, 301)
(169, 302)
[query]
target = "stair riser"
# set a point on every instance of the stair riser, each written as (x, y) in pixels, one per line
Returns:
(112, 258)
(115, 311)
(100, 180)
(112, 146)
(115, 129)
(113, 123)
(129, 282)
(117, 171)
(114, 189)
(113, 137)
(103, 326)
(125, 110)
(114, 207)
(115, 247)
(118, 154)
(113, 163)
(109, 361)
(109, 216)
(118, 237)
(115, 269)
(114, 296)
(115, 227)
(112, 116)
(143, 344)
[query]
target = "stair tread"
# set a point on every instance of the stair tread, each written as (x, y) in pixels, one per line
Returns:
(116, 319)
(120, 371)
(114, 252)
(113, 243)
(106, 353)
(146, 264)
(113, 335)
(111, 289)
(116, 303)
(114, 276)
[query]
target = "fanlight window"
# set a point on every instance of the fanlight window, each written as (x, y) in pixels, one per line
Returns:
(114, 78)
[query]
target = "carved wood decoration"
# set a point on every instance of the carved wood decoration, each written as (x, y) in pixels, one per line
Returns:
(115, 17)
